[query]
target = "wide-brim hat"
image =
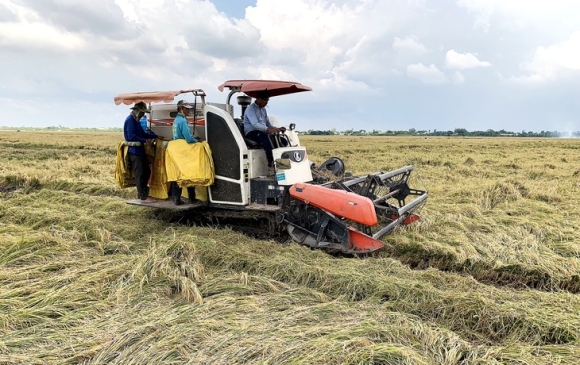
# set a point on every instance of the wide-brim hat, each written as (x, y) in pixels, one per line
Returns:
(141, 107)
(263, 94)
(184, 104)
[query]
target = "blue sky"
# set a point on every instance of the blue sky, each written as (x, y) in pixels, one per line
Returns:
(233, 8)
(372, 64)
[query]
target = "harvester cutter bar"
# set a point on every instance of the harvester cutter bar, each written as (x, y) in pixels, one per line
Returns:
(406, 171)
(380, 187)
(402, 215)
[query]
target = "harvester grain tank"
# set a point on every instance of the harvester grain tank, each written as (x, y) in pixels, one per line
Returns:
(321, 207)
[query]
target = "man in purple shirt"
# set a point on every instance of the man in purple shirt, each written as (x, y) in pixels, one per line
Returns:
(134, 133)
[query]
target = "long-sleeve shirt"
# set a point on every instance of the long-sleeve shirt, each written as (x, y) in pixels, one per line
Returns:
(181, 129)
(256, 119)
(143, 123)
(134, 133)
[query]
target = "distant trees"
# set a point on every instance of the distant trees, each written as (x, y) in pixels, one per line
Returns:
(459, 132)
(319, 133)
(62, 128)
(456, 132)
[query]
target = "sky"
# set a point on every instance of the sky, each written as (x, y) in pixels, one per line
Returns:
(372, 64)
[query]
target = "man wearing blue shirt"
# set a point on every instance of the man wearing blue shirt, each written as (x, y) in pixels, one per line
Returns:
(180, 126)
(137, 156)
(257, 126)
(143, 123)
(181, 130)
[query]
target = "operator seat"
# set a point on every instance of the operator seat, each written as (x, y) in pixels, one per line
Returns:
(244, 101)
(249, 143)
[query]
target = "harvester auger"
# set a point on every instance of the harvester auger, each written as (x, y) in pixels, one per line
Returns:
(321, 207)
(323, 216)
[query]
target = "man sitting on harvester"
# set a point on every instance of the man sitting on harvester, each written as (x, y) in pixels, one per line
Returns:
(257, 126)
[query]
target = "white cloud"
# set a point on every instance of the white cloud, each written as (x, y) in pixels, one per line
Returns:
(128, 9)
(313, 29)
(39, 36)
(483, 10)
(6, 14)
(552, 62)
(458, 78)
(23, 28)
(19, 105)
(427, 74)
(462, 61)
(520, 14)
(368, 52)
(271, 74)
(409, 44)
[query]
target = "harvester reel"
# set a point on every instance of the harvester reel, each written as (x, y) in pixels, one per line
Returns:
(402, 190)
(330, 170)
(334, 164)
(388, 192)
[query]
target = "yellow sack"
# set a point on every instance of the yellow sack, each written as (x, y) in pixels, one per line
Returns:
(158, 187)
(123, 173)
(200, 193)
(189, 164)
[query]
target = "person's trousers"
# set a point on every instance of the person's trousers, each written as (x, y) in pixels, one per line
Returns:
(142, 172)
(263, 139)
(175, 191)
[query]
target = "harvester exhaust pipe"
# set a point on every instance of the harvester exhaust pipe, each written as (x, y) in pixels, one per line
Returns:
(244, 101)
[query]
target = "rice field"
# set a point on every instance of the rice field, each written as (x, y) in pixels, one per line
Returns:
(489, 275)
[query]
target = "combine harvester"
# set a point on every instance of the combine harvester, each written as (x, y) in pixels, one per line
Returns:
(319, 207)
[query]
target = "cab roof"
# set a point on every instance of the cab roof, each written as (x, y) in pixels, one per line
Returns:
(249, 87)
(275, 87)
(153, 96)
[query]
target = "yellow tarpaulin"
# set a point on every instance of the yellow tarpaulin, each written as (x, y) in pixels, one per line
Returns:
(123, 173)
(189, 164)
(158, 187)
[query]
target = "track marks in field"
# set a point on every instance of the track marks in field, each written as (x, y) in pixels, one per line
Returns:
(516, 276)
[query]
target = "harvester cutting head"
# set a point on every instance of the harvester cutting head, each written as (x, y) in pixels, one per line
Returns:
(394, 201)
(325, 216)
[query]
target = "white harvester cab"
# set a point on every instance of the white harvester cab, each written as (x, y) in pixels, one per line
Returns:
(241, 168)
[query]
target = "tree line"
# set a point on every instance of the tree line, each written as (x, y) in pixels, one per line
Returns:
(361, 132)
(456, 132)
(61, 128)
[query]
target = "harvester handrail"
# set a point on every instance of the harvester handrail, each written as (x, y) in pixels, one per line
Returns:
(384, 176)
(385, 197)
(402, 216)
(411, 205)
